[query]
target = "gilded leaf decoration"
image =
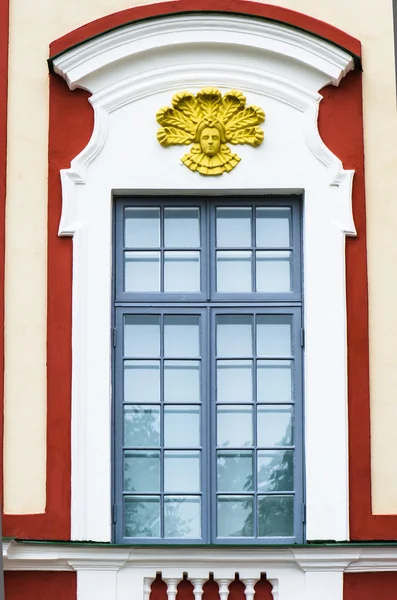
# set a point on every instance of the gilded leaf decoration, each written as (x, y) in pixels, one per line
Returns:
(232, 102)
(168, 136)
(253, 115)
(251, 135)
(188, 105)
(210, 121)
(209, 100)
(175, 118)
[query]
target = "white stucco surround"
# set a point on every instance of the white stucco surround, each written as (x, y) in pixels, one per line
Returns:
(131, 73)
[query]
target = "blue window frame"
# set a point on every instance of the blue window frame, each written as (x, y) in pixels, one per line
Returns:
(207, 375)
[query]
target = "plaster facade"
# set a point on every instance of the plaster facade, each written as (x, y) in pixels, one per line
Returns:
(57, 483)
(26, 242)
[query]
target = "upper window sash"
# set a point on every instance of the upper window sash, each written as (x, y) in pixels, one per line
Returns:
(225, 250)
(163, 244)
(255, 249)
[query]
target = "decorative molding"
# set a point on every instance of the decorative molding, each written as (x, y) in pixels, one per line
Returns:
(210, 122)
(174, 76)
(78, 65)
(66, 557)
(324, 559)
(130, 73)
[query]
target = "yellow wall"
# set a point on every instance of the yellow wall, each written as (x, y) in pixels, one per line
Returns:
(33, 25)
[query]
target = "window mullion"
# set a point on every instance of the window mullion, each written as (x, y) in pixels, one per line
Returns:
(255, 440)
(253, 247)
(162, 423)
(206, 436)
(212, 426)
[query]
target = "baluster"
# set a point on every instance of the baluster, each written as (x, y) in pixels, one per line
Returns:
(171, 587)
(224, 588)
(249, 588)
(274, 584)
(198, 588)
(147, 582)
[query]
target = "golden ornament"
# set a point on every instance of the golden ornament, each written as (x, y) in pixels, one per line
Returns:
(210, 121)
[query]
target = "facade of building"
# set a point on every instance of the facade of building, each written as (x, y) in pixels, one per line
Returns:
(198, 279)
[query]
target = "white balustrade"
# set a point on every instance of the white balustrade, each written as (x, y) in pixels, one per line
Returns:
(198, 582)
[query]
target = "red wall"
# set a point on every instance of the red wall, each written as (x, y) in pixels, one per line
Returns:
(40, 585)
(367, 586)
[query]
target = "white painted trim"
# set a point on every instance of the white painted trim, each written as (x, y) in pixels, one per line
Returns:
(27, 556)
(114, 573)
(329, 584)
(87, 59)
(134, 71)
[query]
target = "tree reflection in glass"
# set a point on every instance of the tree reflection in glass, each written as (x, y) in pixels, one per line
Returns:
(275, 474)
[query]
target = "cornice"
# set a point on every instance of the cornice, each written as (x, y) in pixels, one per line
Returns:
(78, 65)
(249, 8)
(28, 556)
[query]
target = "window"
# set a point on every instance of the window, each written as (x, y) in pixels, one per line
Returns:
(208, 370)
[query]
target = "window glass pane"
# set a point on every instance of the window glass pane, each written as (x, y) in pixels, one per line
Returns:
(273, 227)
(233, 227)
(276, 516)
(181, 336)
(273, 272)
(142, 516)
(274, 425)
(234, 271)
(234, 381)
(182, 381)
(274, 381)
(142, 271)
(235, 516)
(181, 471)
(275, 470)
(142, 227)
(142, 335)
(234, 426)
(182, 517)
(141, 426)
(141, 381)
(234, 335)
(234, 472)
(181, 227)
(182, 426)
(181, 271)
(141, 471)
(274, 335)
